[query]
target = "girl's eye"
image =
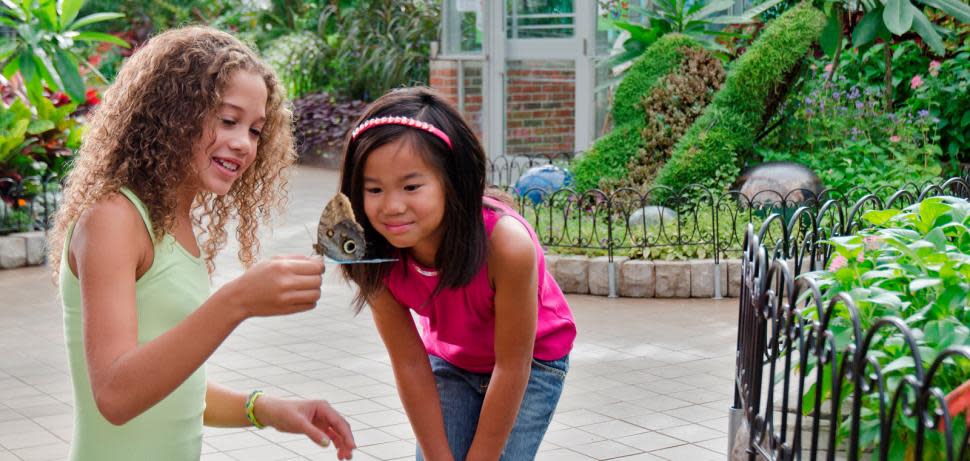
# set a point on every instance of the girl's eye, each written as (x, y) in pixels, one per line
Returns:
(412, 187)
(372, 190)
(255, 132)
(228, 122)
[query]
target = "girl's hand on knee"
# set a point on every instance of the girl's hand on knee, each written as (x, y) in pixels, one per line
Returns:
(315, 418)
(281, 285)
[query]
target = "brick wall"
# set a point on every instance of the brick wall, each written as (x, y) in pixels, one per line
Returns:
(539, 108)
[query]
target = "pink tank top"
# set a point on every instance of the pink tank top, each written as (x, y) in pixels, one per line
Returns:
(458, 324)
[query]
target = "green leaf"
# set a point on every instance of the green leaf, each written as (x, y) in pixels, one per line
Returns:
(868, 28)
(40, 126)
(902, 363)
(898, 16)
(101, 37)
(711, 8)
(880, 217)
(919, 284)
(93, 18)
(32, 79)
(960, 11)
(831, 39)
(68, 10)
(67, 69)
(925, 29)
(47, 14)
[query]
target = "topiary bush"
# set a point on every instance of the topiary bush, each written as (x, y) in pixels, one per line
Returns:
(610, 154)
(708, 154)
(661, 59)
(670, 108)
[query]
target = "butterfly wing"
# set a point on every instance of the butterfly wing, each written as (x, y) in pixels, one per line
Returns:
(339, 236)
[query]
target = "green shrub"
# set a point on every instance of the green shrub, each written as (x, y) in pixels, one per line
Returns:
(670, 108)
(708, 153)
(294, 56)
(608, 157)
(662, 58)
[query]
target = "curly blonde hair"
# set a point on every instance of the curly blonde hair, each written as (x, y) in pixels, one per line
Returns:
(142, 135)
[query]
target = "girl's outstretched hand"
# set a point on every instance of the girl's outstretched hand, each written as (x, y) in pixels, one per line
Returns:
(315, 418)
(278, 286)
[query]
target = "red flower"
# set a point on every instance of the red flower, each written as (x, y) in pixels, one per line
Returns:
(59, 99)
(94, 59)
(91, 97)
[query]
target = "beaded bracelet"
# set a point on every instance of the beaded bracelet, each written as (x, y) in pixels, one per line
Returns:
(251, 408)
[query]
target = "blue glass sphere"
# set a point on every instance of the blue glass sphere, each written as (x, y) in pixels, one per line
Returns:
(539, 182)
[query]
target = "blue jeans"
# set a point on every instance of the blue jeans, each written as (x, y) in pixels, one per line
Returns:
(462, 394)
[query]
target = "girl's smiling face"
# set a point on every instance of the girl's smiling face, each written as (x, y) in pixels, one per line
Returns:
(230, 138)
(404, 199)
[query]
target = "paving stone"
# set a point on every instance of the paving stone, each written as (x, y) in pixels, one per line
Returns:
(672, 279)
(36, 244)
(599, 274)
(572, 274)
(13, 252)
(637, 279)
(702, 278)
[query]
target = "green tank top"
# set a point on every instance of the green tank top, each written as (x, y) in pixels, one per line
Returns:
(176, 284)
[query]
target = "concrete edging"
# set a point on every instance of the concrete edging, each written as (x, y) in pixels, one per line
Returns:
(22, 249)
(637, 278)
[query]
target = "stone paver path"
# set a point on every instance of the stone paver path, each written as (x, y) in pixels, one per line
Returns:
(649, 380)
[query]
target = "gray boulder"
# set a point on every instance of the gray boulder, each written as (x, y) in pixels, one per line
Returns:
(771, 183)
(652, 216)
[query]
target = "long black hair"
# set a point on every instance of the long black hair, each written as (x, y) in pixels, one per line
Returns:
(461, 167)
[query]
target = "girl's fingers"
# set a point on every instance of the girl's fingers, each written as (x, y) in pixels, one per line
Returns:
(302, 297)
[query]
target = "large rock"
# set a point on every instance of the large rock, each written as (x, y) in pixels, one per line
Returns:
(771, 183)
(650, 216)
(637, 279)
(13, 252)
(36, 243)
(599, 274)
(572, 274)
(702, 278)
(672, 279)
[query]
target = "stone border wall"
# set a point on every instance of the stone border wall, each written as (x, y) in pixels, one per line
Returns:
(22, 249)
(639, 278)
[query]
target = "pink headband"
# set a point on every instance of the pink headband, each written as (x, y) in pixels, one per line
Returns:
(405, 121)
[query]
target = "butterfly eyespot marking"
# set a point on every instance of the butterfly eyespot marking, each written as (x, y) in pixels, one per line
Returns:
(329, 233)
(350, 246)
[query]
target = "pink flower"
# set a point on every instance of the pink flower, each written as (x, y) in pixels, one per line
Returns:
(828, 67)
(894, 138)
(861, 257)
(916, 82)
(935, 68)
(871, 241)
(837, 263)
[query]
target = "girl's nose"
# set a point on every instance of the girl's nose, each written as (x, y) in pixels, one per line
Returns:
(394, 205)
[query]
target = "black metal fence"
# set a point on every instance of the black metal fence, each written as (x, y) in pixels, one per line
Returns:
(787, 356)
(27, 204)
(693, 222)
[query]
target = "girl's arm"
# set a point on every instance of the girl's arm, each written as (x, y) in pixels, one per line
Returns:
(412, 371)
(315, 418)
(109, 242)
(512, 261)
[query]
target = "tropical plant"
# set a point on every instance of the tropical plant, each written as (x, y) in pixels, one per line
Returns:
(909, 264)
(699, 19)
(44, 44)
(15, 121)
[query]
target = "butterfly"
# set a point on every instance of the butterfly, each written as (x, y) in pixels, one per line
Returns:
(339, 236)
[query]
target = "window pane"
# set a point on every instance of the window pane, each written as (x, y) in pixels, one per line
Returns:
(540, 19)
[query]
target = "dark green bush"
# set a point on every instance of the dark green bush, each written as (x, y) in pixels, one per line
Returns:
(709, 152)
(662, 58)
(670, 109)
(609, 156)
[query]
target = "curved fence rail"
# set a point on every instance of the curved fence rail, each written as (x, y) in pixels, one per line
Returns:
(694, 222)
(806, 388)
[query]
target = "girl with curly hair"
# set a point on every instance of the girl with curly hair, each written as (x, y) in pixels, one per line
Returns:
(192, 133)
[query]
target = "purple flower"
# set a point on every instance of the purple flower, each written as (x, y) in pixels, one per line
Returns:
(924, 113)
(859, 105)
(808, 101)
(809, 112)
